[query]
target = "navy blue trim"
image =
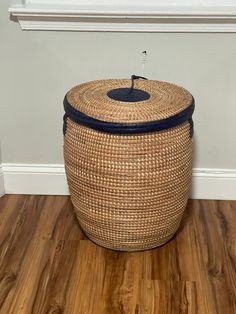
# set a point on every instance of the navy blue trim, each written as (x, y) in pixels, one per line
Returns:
(129, 128)
(191, 127)
(128, 95)
(65, 123)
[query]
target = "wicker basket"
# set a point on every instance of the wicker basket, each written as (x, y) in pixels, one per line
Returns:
(128, 159)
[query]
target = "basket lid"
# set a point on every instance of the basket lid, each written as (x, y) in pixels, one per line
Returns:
(116, 106)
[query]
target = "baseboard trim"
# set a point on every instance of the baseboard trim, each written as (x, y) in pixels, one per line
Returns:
(50, 179)
(2, 190)
(217, 184)
(42, 179)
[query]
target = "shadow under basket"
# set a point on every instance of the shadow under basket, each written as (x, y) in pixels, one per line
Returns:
(128, 160)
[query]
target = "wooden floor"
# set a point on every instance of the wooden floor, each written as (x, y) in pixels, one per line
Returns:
(47, 265)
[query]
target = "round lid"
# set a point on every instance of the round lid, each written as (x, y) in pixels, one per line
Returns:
(121, 101)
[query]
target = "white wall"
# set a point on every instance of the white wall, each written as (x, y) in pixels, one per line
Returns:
(37, 68)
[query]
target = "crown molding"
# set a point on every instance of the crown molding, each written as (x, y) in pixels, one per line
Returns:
(77, 15)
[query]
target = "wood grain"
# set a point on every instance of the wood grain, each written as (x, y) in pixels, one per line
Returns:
(47, 265)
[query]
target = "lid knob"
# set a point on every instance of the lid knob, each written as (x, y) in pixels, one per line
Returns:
(129, 94)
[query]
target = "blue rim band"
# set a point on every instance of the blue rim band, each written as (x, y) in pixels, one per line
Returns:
(128, 128)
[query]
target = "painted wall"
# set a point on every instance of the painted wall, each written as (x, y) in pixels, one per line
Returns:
(37, 68)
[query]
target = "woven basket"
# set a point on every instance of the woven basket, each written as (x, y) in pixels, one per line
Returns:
(128, 160)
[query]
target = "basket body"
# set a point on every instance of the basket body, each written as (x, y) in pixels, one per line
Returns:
(129, 191)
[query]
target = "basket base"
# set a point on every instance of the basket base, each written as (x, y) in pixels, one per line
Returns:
(138, 248)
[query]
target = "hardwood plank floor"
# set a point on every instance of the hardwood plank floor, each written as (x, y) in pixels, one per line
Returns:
(47, 265)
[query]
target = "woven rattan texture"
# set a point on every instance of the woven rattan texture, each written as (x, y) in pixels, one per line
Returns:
(129, 192)
(165, 100)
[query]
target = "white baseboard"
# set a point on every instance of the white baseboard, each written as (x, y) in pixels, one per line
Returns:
(42, 179)
(2, 191)
(50, 179)
(217, 184)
